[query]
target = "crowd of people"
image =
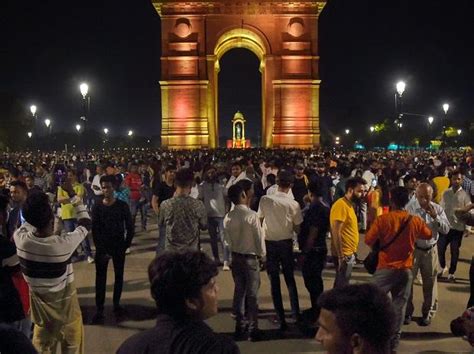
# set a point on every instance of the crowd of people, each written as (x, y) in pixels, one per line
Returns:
(273, 210)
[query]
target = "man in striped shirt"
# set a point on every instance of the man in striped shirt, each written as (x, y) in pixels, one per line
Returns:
(45, 263)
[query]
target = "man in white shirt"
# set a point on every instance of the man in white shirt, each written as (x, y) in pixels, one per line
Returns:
(213, 196)
(281, 218)
(236, 174)
(243, 234)
(453, 198)
(426, 252)
(96, 188)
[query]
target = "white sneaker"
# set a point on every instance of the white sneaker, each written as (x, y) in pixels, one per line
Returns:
(127, 251)
(444, 272)
(451, 278)
(226, 267)
(90, 260)
(418, 280)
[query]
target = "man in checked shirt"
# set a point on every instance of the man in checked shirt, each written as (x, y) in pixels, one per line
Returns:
(426, 251)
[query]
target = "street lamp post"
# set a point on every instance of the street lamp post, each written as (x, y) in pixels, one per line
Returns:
(78, 129)
(84, 88)
(399, 104)
(106, 134)
(445, 123)
(48, 124)
(30, 135)
(372, 129)
(430, 123)
(33, 110)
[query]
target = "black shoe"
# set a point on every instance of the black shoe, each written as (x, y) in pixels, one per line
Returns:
(239, 333)
(98, 318)
(297, 318)
(407, 320)
(119, 311)
(283, 326)
(255, 336)
(425, 321)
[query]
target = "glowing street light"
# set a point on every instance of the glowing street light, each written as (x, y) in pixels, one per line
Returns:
(30, 134)
(401, 87)
(445, 108)
(84, 89)
(372, 128)
(459, 131)
(445, 122)
(78, 127)
(130, 132)
(47, 122)
(347, 131)
(33, 109)
(400, 125)
(430, 120)
(106, 131)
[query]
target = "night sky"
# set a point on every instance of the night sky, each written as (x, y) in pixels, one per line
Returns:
(49, 47)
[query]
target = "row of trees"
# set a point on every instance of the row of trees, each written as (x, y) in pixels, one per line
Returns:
(411, 133)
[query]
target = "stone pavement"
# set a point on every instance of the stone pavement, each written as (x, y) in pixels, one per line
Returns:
(140, 306)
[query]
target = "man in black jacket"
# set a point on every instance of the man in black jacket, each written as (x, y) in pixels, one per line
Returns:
(185, 291)
(113, 231)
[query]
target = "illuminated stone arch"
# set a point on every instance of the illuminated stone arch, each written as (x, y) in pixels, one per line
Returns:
(283, 35)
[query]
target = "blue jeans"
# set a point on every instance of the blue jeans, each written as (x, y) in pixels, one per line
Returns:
(69, 226)
(246, 274)
(216, 233)
(344, 272)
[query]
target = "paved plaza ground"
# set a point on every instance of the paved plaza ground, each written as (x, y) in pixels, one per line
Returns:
(141, 310)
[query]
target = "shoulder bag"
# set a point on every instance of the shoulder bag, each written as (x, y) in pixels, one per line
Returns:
(372, 259)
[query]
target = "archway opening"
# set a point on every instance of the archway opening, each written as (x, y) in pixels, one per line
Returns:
(240, 89)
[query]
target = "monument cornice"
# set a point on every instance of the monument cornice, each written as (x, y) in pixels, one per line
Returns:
(165, 8)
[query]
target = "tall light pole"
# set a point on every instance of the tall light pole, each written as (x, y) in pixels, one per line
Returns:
(78, 129)
(33, 110)
(445, 123)
(400, 87)
(48, 124)
(84, 88)
(106, 134)
(372, 129)
(430, 123)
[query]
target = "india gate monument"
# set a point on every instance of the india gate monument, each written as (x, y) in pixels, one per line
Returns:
(284, 37)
